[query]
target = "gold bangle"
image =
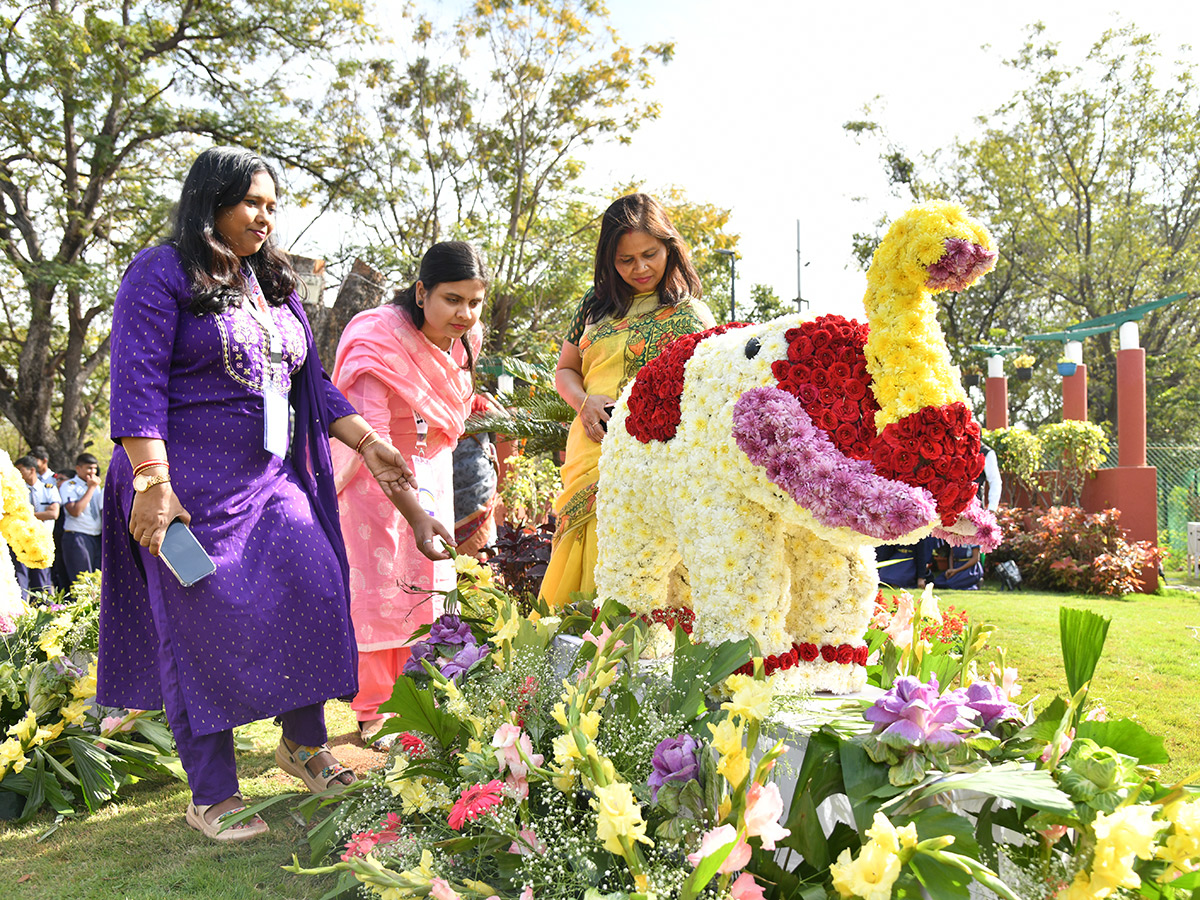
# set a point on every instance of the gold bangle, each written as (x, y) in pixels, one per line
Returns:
(359, 447)
(373, 439)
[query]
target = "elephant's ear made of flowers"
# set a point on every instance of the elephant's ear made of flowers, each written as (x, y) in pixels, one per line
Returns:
(658, 388)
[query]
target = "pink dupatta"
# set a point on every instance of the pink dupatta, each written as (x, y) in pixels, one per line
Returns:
(384, 342)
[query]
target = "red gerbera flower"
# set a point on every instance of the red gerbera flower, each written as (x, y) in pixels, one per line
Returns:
(474, 802)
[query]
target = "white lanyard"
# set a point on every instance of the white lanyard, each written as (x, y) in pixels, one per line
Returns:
(275, 405)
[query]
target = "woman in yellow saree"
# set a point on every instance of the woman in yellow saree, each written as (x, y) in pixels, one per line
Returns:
(645, 294)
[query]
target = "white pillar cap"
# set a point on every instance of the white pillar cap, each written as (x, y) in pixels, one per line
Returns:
(1129, 335)
(996, 366)
(1074, 352)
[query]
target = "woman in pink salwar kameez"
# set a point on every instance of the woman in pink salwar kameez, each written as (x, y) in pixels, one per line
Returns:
(408, 368)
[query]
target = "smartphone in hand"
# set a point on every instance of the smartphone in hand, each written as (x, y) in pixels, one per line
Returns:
(184, 556)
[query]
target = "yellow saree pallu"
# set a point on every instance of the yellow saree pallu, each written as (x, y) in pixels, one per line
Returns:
(613, 352)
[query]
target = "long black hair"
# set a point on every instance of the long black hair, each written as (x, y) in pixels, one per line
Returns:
(611, 294)
(445, 262)
(220, 177)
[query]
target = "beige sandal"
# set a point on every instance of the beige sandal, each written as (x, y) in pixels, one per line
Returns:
(240, 831)
(294, 762)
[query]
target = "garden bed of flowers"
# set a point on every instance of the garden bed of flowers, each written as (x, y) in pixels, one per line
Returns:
(58, 748)
(525, 772)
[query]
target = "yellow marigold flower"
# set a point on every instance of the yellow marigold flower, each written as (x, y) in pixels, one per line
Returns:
(619, 815)
(869, 877)
(751, 699)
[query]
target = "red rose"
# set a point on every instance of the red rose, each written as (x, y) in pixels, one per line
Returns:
(930, 414)
(826, 420)
(826, 357)
(958, 471)
(942, 466)
(780, 369)
(923, 475)
(828, 397)
(860, 655)
(808, 394)
(844, 435)
(845, 654)
(860, 450)
(936, 486)
(808, 652)
(772, 663)
(829, 653)
(854, 389)
(820, 378)
(929, 448)
(905, 461)
(846, 410)
(840, 370)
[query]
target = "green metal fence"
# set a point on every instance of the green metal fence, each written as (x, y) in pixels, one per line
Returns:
(1178, 494)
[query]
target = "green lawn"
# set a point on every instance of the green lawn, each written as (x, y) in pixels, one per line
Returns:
(140, 848)
(1150, 671)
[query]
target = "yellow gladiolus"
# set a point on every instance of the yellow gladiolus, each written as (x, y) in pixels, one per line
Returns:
(619, 815)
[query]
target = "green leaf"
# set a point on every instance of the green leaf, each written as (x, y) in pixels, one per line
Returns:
(95, 771)
(862, 779)
(936, 821)
(1082, 633)
(1127, 737)
(415, 711)
(940, 880)
(1008, 781)
(704, 872)
(697, 667)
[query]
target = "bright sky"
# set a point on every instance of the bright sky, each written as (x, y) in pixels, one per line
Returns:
(754, 102)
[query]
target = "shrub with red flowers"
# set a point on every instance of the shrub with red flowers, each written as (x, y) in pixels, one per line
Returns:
(826, 370)
(1066, 548)
(936, 448)
(654, 400)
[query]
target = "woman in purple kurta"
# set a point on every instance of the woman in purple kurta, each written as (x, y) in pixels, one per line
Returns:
(269, 633)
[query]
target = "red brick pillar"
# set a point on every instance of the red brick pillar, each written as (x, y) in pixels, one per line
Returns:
(996, 394)
(1074, 394)
(1131, 407)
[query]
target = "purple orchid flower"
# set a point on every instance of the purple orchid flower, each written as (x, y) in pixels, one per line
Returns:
(675, 759)
(451, 631)
(464, 659)
(913, 712)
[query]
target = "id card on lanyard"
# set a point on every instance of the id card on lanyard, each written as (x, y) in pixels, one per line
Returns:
(275, 403)
(428, 489)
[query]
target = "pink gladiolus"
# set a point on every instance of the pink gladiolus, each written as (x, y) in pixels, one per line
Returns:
(527, 894)
(900, 628)
(764, 806)
(1052, 834)
(1059, 748)
(510, 742)
(602, 638)
(527, 843)
(745, 887)
(1006, 680)
(439, 889)
(714, 840)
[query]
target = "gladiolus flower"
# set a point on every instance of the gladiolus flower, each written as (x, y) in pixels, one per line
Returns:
(745, 887)
(764, 806)
(714, 840)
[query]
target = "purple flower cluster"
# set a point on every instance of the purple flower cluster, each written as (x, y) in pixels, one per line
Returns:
(913, 712)
(960, 265)
(773, 430)
(450, 646)
(975, 525)
(675, 759)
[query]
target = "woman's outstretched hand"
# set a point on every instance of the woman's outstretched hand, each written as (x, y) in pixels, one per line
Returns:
(431, 537)
(153, 510)
(387, 464)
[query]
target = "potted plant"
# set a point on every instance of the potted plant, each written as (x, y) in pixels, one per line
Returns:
(972, 377)
(1024, 366)
(1066, 367)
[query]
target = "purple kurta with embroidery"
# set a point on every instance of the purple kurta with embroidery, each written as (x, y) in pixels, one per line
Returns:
(270, 630)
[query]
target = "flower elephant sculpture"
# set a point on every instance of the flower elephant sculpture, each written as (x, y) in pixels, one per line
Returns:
(749, 471)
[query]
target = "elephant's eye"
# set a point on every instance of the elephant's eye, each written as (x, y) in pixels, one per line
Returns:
(752, 346)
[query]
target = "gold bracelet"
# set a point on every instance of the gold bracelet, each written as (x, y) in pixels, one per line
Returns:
(374, 439)
(358, 448)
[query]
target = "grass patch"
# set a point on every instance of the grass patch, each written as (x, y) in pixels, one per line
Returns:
(1149, 670)
(140, 847)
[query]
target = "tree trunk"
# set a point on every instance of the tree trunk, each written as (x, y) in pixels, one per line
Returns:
(363, 289)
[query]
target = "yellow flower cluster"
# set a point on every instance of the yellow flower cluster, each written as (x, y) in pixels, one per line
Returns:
(618, 815)
(1182, 848)
(23, 736)
(727, 740)
(1122, 837)
(417, 795)
(30, 539)
(50, 640)
(872, 875)
(906, 350)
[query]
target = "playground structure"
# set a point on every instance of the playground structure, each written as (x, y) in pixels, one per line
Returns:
(1131, 486)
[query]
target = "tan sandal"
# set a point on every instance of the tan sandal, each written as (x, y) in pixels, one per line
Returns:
(239, 831)
(368, 730)
(294, 762)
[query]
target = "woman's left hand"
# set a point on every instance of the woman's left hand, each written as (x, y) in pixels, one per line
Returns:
(387, 464)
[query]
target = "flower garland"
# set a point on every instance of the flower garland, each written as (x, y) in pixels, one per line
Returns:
(842, 655)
